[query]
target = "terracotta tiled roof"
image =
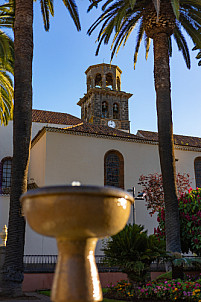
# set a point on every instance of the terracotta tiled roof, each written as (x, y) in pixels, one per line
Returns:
(77, 125)
(41, 116)
(101, 130)
(178, 139)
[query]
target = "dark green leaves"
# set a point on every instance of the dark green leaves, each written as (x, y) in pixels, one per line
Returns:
(133, 250)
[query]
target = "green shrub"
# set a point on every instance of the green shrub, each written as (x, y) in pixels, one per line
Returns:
(133, 251)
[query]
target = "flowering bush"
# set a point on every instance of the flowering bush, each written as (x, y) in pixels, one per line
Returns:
(158, 290)
(152, 185)
(123, 290)
(171, 290)
(190, 221)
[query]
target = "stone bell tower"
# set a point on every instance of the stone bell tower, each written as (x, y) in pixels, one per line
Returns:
(105, 103)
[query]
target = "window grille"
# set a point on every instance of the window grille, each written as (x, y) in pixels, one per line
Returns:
(6, 175)
(114, 169)
(198, 172)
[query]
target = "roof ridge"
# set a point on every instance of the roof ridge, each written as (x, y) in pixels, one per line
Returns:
(155, 132)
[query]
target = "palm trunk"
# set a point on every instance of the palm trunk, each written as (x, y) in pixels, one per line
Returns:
(23, 45)
(166, 143)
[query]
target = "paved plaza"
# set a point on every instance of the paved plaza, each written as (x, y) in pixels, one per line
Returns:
(31, 297)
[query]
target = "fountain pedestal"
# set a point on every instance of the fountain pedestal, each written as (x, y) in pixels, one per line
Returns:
(77, 216)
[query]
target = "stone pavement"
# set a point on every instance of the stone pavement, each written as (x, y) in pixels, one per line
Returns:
(28, 297)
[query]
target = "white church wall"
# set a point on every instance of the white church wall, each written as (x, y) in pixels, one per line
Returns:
(4, 210)
(36, 244)
(38, 162)
(60, 158)
(71, 158)
(81, 158)
(5, 151)
(185, 163)
(6, 137)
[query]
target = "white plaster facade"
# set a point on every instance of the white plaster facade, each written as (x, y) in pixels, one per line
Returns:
(61, 154)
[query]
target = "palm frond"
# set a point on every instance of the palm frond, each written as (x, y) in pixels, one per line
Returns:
(192, 31)
(6, 63)
(47, 8)
(175, 6)
(7, 14)
(72, 8)
(122, 36)
(94, 3)
(6, 97)
(182, 45)
(139, 39)
(147, 46)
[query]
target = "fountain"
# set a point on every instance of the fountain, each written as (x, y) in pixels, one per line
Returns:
(77, 216)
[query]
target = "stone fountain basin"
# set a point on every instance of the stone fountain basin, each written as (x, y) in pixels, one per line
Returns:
(77, 211)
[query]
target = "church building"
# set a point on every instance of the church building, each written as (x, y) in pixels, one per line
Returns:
(96, 149)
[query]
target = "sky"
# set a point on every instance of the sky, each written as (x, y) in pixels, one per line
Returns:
(62, 55)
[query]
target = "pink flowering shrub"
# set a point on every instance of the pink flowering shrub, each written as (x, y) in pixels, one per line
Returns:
(152, 185)
(171, 290)
(190, 221)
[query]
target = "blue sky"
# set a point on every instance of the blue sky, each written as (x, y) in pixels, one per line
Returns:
(62, 55)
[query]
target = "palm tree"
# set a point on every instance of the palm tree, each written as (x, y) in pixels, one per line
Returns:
(159, 20)
(6, 69)
(22, 119)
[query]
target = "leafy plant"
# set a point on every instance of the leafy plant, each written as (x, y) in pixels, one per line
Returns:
(133, 251)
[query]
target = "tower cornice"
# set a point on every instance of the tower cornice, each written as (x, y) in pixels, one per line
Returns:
(102, 65)
(103, 92)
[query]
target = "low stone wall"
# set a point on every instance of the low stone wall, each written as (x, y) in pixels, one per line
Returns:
(111, 277)
(154, 275)
(39, 281)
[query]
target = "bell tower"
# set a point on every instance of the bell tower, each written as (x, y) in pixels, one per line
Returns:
(105, 103)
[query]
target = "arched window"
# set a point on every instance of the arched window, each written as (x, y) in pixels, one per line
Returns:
(118, 84)
(114, 169)
(105, 113)
(98, 80)
(109, 80)
(197, 165)
(89, 84)
(115, 111)
(5, 181)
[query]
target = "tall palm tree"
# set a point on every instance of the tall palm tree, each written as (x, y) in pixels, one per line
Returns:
(6, 70)
(22, 119)
(159, 20)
